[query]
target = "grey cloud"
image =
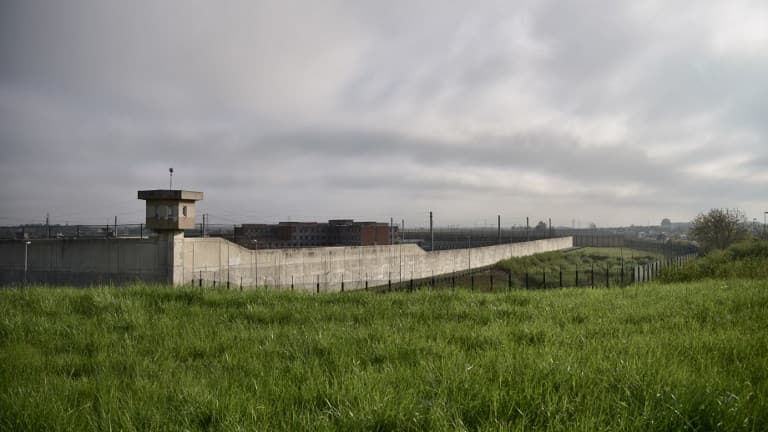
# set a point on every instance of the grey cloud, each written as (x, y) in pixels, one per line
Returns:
(374, 107)
(553, 154)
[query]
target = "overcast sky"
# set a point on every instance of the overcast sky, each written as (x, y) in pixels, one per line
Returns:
(613, 112)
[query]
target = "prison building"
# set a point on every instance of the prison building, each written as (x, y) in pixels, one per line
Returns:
(336, 232)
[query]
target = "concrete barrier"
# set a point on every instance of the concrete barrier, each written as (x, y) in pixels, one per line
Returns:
(326, 268)
(173, 259)
(85, 261)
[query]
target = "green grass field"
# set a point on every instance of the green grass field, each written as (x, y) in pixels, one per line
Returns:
(656, 357)
(582, 258)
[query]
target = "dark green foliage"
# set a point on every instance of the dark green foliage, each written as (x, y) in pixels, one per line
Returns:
(746, 259)
(718, 229)
(655, 357)
(579, 258)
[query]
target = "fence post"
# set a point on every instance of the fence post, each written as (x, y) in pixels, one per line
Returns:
(410, 285)
(491, 278)
(621, 279)
(241, 284)
(607, 277)
(453, 281)
(342, 282)
(318, 285)
(592, 276)
(201, 279)
(577, 276)
(561, 277)
(471, 281)
(544, 279)
(509, 280)
(291, 282)
(389, 284)
(526, 279)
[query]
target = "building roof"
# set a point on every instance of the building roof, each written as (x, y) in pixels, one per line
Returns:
(172, 195)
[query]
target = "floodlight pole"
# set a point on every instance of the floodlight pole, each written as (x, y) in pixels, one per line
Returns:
(764, 214)
(170, 184)
(26, 260)
(431, 234)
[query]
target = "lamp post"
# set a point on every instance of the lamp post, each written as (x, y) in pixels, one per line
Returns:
(469, 251)
(764, 214)
(26, 255)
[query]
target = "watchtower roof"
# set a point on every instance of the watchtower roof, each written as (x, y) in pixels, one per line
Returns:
(171, 195)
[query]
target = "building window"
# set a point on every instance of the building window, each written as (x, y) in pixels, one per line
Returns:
(184, 211)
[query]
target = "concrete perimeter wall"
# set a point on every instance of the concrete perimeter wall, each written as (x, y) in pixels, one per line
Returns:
(85, 262)
(215, 259)
(171, 258)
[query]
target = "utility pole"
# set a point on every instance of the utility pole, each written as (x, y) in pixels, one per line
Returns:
(469, 251)
(47, 226)
(431, 233)
(391, 230)
(764, 215)
(26, 266)
(498, 228)
(527, 229)
(170, 184)
(115, 227)
(550, 227)
(402, 228)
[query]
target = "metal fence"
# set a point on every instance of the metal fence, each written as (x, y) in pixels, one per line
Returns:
(444, 237)
(138, 230)
(487, 279)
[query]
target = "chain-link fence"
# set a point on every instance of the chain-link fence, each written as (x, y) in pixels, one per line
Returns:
(445, 238)
(487, 279)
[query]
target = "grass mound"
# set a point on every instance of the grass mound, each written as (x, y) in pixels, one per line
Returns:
(579, 258)
(747, 259)
(656, 357)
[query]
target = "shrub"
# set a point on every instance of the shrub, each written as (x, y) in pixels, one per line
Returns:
(746, 259)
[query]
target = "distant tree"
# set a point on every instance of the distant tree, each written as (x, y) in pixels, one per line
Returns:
(592, 225)
(666, 224)
(718, 228)
(541, 226)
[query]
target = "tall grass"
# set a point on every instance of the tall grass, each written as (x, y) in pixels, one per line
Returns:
(746, 259)
(674, 357)
(579, 258)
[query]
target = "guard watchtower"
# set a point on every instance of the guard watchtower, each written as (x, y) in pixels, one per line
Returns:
(170, 210)
(169, 213)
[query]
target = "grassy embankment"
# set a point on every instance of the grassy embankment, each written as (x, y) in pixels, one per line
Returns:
(746, 259)
(655, 357)
(546, 267)
(583, 258)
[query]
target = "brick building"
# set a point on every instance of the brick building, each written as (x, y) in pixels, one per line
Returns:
(337, 232)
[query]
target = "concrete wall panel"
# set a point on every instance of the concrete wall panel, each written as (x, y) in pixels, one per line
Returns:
(220, 260)
(173, 258)
(84, 261)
